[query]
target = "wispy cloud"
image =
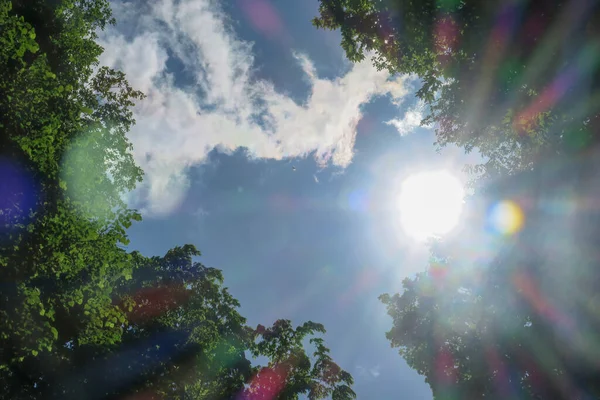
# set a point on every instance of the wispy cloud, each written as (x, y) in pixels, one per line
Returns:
(224, 107)
(412, 119)
(200, 213)
(375, 371)
(371, 373)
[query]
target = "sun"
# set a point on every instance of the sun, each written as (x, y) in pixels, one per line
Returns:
(430, 204)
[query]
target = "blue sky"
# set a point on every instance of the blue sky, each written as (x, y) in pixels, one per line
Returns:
(239, 93)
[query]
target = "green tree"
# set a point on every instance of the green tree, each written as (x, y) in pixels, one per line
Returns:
(66, 160)
(176, 294)
(290, 372)
(181, 337)
(496, 76)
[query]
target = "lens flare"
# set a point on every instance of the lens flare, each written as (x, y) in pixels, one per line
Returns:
(85, 173)
(18, 193)
(506, 217)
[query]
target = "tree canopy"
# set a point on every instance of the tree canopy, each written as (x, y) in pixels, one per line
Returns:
(83, 317)
(514, 80)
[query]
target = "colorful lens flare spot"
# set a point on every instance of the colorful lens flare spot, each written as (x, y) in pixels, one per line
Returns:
(506, 217)
(266, 385)
(263, 17)
(358, 201)
(18, 193)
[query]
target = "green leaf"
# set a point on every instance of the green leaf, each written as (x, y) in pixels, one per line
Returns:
(54, 333)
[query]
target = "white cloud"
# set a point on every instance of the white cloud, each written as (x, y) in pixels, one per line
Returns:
(200, 213)
(375, 371)
(370, 373)
(411, 120)
(224, 107)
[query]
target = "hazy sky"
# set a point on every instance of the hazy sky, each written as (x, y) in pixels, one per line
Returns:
(239, 94)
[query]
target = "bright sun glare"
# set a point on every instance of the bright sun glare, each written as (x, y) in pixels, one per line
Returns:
(430, 204)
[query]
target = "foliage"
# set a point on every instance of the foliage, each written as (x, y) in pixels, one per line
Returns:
(60, 236)
(180, 336)
(490, 72)
(290, 367)
(221, 369)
